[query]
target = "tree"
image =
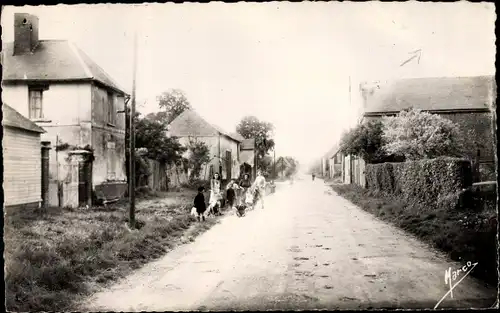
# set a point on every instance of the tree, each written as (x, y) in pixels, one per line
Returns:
(152, 140)
(365, 141)
(161, 116)
(199, 155)
(417, 135)
(173, 102)
(286, 165)
(251, 127)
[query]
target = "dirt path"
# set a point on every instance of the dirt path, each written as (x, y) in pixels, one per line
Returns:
(309, 248)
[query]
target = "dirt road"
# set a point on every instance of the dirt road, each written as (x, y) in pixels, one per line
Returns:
(308, 249)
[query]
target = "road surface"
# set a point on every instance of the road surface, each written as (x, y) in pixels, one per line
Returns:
(308, 249)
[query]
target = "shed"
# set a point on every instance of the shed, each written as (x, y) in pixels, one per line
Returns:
(22, 159)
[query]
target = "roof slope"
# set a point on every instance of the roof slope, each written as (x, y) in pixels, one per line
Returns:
(58, 60)
(13, 118)
(189, 123)
(248, 144)
(331, 153)
(435, 93)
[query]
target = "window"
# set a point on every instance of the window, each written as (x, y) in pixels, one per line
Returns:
(35, 103)
(111, 109)
(111, 161)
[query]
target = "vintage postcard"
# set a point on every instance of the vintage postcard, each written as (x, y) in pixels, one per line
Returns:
(249, 156)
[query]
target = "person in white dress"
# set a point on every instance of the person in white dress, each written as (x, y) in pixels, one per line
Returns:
(215, 193)
(260, 187)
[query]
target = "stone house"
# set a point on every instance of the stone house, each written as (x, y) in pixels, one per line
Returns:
(468, 101)
(224, 147)
(57, 86)
(22, 160)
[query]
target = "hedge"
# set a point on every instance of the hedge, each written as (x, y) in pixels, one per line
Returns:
(430, 183)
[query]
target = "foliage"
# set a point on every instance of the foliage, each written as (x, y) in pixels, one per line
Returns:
(286, 165)
(365, 141)
(161, 117)
(150, 135)
(251, 127)
(265, 165)
(173, 102)
(417, 135)
(199, 154)
(431, 183)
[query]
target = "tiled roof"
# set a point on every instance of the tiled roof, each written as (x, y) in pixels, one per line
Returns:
(58, 60)
(190, 123)
(237, 136)
(13, 118)
(331, 153)
(431, 94)
(248, 144)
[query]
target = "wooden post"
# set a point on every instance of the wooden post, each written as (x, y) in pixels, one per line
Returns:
(132, 142)
(45, 173)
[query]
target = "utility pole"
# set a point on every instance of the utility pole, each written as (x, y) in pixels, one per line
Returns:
(132, 142)
(274, 163)
(282, 167)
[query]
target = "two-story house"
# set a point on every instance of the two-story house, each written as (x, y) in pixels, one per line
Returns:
(56, 85)
(224, 147)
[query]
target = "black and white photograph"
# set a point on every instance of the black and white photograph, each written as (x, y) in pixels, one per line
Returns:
(249, 156)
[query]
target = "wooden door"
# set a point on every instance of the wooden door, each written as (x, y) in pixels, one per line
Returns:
(229, 163)
(84, 183)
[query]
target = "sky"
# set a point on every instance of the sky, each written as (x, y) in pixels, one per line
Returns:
(290, 64)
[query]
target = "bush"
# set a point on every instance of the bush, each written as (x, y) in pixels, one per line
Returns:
(430, 182)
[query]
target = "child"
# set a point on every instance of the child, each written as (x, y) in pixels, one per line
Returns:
(231, 194)
(199, 204)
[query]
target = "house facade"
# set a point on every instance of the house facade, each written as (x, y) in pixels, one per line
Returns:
(57, 86)
(224, 147)
(470, 102)
(22, 160)
(334, 162)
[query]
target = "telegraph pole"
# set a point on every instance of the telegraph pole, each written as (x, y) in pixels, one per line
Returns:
(274, 163)
(132, 141)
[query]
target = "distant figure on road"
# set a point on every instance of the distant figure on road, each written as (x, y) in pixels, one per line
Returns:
(313, 176)
(260, 188)
(199, 204)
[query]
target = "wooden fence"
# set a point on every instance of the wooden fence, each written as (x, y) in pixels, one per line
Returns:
(163, 176)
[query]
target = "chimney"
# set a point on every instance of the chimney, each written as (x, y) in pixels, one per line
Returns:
(25, 33)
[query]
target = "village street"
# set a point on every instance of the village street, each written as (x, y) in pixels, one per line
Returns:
(309, 248)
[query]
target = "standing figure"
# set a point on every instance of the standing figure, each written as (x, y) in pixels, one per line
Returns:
(215, 195)
(231, 194)
(199, 204)
(260, 188)
(245, 183)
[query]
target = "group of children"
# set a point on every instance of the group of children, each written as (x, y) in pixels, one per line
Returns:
(239, 197)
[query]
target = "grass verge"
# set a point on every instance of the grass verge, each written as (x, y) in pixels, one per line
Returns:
(54, 258)
(463, 235)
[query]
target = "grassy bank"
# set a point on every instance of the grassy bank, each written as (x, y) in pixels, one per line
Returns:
(463, 235)
(54, 258)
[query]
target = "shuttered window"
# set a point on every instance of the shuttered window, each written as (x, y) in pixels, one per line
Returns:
(35, 103)
(111, 109)
(111, 161)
